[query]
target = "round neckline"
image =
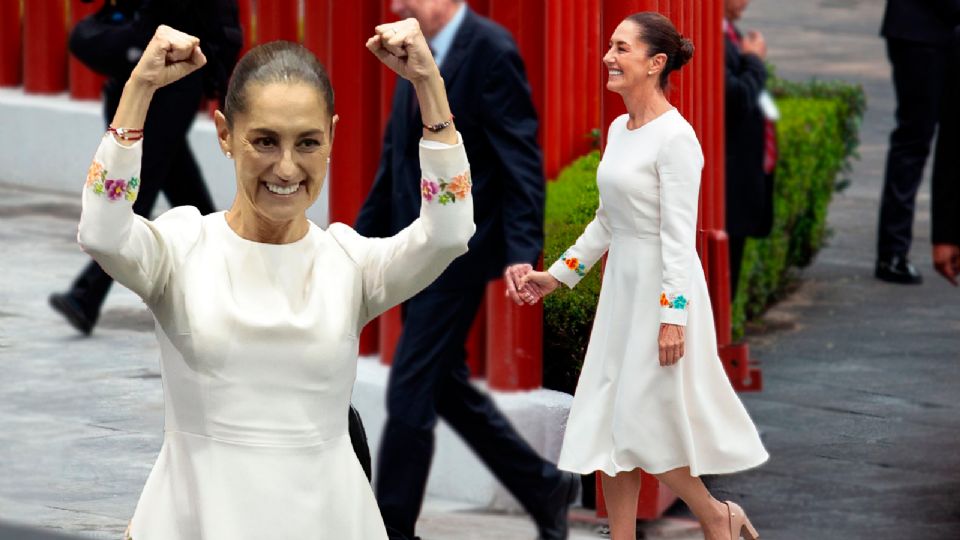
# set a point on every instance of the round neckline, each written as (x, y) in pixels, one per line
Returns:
(658, 117)
(300, 241)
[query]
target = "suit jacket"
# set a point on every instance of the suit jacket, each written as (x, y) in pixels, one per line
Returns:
(489, 96)
(749, 200)
(945, 196)
(923, 21)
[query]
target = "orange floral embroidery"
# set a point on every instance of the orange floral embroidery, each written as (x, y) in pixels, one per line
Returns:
(460, 185)
(95, 173)
(663, 300)
(574, 264)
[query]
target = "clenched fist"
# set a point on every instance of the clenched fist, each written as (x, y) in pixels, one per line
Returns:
(170, 56)
(402, 47)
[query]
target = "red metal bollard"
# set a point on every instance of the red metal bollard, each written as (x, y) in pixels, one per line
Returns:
(356, 73)
(10, 43)
(84, 82)
(278, 19)
(245, 14)
(316, 28)
(44, 46)
(514, 342)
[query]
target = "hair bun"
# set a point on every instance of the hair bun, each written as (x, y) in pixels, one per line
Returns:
(684, 53)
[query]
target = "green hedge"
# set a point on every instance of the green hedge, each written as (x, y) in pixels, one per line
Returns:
(817, 135)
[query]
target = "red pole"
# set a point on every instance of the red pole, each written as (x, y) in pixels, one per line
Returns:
(45, 47)
(245, 13)
(278, 19)
(84, 82)
(355, 74)
(514, 342)
(10, 43)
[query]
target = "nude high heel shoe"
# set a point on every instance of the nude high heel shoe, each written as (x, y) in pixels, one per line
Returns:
(740, 523)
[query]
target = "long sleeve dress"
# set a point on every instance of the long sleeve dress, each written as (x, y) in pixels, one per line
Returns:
(628, 411)
(259, 347)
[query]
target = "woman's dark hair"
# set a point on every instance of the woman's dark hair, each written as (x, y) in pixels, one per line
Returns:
(277, 61)
(661, 36)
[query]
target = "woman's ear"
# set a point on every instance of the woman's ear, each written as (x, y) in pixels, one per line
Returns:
(658, 63)
(223, 132)
(333, 128)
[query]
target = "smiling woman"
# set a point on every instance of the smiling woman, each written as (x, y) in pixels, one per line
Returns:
(258, 310)
(278, 125)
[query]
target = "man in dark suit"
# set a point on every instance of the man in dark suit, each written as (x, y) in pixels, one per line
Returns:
(920, 39)
(111, 43)
(750, 139)
(945, 214)
(490, 98)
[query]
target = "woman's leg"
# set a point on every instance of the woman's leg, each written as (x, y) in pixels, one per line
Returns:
(711, 513)
(621, 493)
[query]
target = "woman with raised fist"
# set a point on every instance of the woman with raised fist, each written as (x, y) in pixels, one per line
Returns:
(258, 310)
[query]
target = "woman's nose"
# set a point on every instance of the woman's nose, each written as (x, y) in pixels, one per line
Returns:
(287, 169)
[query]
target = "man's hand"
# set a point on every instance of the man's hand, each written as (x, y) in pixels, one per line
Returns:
(754, 43)
(946, 259)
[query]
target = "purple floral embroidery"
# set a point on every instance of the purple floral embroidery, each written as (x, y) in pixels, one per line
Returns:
(115, 189)
(429, 189)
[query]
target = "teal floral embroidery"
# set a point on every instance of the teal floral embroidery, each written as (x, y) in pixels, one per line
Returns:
(673, 301)
(574, 264)
(446, 192)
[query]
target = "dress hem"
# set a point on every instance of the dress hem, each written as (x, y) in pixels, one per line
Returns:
(696, 472)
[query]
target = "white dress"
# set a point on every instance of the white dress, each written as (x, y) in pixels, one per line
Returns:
(627, 411)
(259, 351)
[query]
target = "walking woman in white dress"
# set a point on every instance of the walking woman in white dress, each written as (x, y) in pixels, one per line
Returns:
(257, 309)
(653, 394)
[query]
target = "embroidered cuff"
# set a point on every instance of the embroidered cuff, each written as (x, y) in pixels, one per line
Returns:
(568, 270)
(673, 308)
(446, 190)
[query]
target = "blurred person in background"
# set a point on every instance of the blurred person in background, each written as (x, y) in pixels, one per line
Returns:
(110, 42)
(945, 211)
(751, 139)
(429, 378)
(921, 45)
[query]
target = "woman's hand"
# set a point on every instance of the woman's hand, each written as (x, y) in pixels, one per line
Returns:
(402, 47)
(671, 342)
(531, 287)
(170, 56)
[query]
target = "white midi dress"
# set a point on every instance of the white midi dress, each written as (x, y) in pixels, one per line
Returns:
(628, 411)
(259, 348)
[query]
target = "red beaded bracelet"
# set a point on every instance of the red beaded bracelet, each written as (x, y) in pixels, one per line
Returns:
(126, 134)
(435, 128)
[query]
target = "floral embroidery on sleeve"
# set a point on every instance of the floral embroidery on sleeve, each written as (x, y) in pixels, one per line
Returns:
(673, 301)
(574, 264)
(446, 192)
(114, 189)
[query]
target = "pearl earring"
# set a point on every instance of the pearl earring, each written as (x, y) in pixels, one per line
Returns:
(649, 73)
(229, 155)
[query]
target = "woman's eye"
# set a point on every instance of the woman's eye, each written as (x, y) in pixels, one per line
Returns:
(309, 144)
(264, 142)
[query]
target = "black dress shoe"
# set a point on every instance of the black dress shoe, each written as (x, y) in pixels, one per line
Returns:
(897, 269)
(558, 508)
(71, 310)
